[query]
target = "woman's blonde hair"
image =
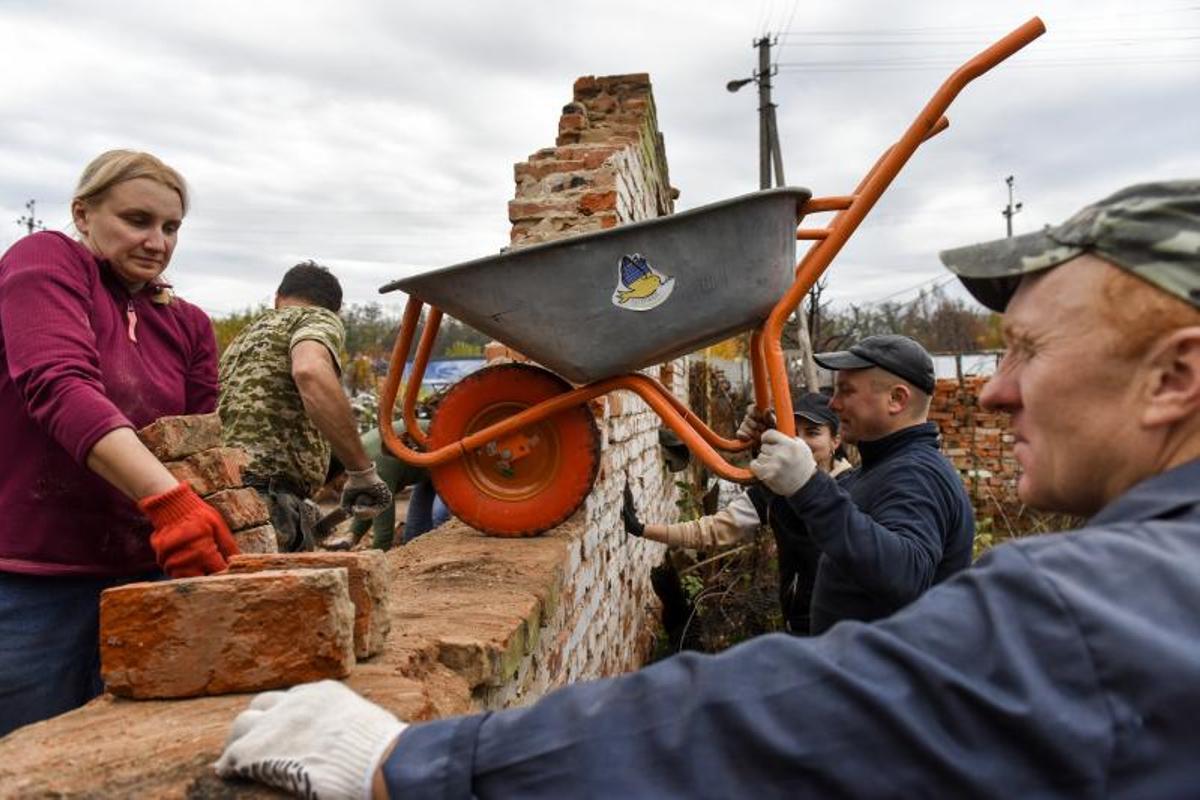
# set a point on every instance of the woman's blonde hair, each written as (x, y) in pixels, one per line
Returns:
(117, 166)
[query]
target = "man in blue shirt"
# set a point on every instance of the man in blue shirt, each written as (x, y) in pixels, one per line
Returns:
(902, 521)
(1065, 665)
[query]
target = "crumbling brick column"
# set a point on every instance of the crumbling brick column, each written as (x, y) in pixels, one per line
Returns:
(608, 167)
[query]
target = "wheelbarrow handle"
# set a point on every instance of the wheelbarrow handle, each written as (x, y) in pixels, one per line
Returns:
(829, 241)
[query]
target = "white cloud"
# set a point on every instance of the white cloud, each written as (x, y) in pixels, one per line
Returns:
(380, 137)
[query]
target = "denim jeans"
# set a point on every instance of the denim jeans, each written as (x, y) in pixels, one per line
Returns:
(49, 644)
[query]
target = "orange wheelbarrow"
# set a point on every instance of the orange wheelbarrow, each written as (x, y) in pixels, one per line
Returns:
(513, 449)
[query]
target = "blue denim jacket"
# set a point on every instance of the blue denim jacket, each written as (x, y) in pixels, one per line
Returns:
(1065, 665)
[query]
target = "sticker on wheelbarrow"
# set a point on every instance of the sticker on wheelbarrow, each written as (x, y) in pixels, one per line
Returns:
(640, 287)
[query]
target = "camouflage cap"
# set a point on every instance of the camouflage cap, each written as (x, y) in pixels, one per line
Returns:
(1151, 230)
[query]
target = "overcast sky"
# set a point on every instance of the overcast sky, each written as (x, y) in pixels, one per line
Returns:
(379, 138)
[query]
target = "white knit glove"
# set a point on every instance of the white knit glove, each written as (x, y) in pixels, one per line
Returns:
(317, 740)
(784, 464)
(753, 424)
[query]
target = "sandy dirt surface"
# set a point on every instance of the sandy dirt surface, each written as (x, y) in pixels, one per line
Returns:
(460, 605)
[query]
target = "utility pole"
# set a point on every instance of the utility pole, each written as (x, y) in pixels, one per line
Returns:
(770, 156)
(30, 223)
(1010, 210)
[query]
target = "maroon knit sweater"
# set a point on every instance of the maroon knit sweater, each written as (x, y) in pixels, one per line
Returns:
(70, 372)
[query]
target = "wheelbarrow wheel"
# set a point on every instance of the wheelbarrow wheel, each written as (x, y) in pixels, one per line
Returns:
(521, 493)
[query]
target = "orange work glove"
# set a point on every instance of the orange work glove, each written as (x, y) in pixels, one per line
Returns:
(190, 537)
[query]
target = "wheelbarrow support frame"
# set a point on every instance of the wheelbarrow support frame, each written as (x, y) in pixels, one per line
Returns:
(768, 367)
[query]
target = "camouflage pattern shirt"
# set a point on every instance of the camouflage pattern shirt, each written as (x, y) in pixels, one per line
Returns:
(259, 403)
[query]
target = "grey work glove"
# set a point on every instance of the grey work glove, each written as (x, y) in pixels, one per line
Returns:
(754, 423)
(365, 493)
(633, 525)
(784, 464)
(316, 740)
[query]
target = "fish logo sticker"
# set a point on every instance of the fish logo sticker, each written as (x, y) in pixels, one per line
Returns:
(640, 287)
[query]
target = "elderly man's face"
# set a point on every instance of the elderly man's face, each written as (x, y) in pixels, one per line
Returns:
(1074, 405)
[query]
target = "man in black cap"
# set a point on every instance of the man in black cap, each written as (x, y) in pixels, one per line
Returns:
(818, 425)
(899, 524)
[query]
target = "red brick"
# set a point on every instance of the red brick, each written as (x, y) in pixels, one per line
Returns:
(630, 83)
(241, 508)
(598, 201)
(226, 633)
(585, 86)
(595, 156)
(541, 169)
(602, 104)
(571, 122)
(368, 575)
(538, 209)
(608, 136)
(493, 351)
(616, 403)
(599, 406)
(212, 470)
(173, 438)
(261, 539)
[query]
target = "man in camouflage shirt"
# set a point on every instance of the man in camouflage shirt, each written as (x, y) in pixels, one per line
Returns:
(282, 401)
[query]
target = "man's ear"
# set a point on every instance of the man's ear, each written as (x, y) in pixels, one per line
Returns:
(899, 398)
(1173, 390)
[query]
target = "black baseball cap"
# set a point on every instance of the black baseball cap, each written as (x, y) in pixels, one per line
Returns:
(899, 355)
(814, 407)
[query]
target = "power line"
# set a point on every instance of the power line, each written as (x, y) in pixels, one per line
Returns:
(937, 280)
(791, 17)
(925, 29)
(917, 65)
(1124, 38)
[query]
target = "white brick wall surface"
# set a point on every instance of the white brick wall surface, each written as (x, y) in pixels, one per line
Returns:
(606, 614)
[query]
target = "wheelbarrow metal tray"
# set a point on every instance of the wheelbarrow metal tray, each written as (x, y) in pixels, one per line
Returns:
(600, 304)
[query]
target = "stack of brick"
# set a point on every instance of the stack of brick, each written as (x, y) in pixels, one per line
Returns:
(980, 445)
(191, 448)
(368, 582)
(270, 621)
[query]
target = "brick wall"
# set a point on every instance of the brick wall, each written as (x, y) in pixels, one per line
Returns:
(608, 167)
(606, 613)
(980, 445)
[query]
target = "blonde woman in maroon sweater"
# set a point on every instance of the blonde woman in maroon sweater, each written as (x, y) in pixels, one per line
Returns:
(94, 346)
